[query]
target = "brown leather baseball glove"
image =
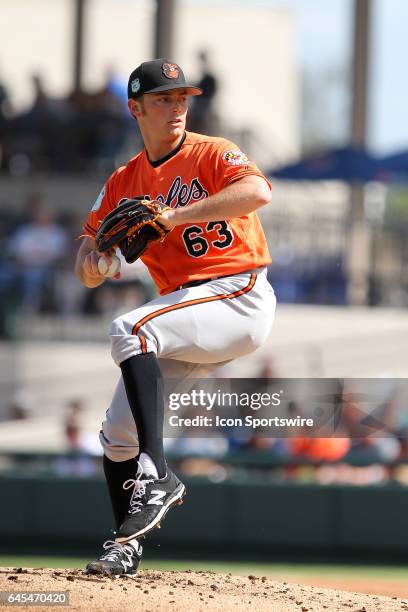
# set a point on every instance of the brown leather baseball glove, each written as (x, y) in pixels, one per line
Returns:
(132, 226)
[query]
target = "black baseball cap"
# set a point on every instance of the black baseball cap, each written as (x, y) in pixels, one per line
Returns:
(158, 75)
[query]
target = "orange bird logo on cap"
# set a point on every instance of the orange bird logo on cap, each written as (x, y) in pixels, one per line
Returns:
(171, 71)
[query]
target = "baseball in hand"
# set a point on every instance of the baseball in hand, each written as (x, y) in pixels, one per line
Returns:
(109, 270)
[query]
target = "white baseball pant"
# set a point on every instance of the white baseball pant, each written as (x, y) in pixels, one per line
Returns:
(193, 332)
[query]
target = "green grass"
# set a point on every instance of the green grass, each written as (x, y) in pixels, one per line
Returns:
(260, 569)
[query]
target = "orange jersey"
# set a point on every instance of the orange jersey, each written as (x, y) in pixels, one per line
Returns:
(200, 167)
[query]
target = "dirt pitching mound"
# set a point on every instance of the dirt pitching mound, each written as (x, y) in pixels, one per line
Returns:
(187, 592)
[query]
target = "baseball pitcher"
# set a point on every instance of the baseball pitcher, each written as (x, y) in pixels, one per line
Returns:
(187, 206)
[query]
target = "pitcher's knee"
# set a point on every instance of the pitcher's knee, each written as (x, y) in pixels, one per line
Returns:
(124, 347)
(125, 344)
(118, 327)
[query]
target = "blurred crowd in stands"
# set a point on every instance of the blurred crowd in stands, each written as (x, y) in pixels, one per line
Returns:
(72, 134)
(366, 446)
(360, 441)
(84, 131)
(36, 268)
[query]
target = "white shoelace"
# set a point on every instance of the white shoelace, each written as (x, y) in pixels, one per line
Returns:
(139, 489)
(115, 550)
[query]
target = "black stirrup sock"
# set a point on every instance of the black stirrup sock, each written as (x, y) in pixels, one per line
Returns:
(144, 389)
(116, 473)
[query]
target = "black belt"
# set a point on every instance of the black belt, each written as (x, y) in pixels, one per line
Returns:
(202, 281)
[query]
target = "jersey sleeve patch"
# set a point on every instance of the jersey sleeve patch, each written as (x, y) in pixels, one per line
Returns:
(235, 157)
(99, 199)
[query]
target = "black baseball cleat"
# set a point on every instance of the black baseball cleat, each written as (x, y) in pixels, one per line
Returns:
(150, 501)
(117, 560)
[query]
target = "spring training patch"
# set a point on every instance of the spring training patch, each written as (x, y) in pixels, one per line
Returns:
(235, 157)
(135, 85)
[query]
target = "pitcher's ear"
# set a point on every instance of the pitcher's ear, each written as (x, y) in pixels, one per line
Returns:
(135, 107)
